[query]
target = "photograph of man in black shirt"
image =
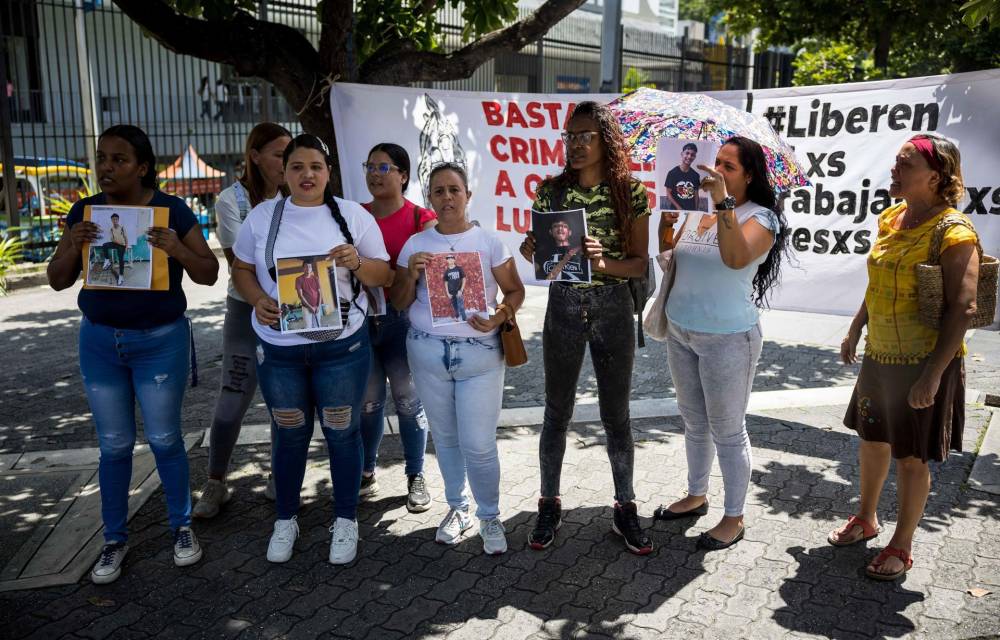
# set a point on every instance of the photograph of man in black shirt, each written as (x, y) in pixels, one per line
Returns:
(454, 279)
(683, 181)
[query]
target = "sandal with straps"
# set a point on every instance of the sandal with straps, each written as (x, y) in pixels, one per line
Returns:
(884, 555)
(867, 532)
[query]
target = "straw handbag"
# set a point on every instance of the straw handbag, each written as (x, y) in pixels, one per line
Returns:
(930, 280)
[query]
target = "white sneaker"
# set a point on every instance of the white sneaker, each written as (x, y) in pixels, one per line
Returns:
(270, 492)
(186, 548)
(453, 526)
(108, 567)
(344, 541)
(215, 494)
(121, 280)
(283, 540)
(107, 263)
(493, 535)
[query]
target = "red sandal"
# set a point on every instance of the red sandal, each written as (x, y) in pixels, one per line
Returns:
(867, 532)
(884, 555)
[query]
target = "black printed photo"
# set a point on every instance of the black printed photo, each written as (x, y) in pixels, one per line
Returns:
(559, 246)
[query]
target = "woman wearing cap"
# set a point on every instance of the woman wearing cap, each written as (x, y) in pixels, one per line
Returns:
(909, 400)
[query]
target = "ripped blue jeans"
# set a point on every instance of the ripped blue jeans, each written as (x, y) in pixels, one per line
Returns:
(300, 382)
(120, 366)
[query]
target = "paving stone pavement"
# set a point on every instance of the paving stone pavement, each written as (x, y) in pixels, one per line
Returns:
(783, 580)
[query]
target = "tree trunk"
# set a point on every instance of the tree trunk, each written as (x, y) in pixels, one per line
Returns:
(883, 44)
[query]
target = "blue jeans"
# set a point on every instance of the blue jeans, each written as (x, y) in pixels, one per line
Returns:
(388, 336)
(458, 304)
(299, 382)
(461, 383)
(120, 366)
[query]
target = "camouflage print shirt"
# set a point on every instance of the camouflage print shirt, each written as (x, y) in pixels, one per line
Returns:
(596, 202)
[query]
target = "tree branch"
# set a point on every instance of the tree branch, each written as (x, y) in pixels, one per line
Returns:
(269, 50)
(399, 64)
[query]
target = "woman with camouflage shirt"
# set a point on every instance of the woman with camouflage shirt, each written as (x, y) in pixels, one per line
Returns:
(598, 313)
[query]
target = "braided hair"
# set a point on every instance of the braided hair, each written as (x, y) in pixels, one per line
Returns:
(309, 141)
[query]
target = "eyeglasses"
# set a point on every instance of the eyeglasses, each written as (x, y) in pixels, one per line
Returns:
(578, 137)
(381, 168)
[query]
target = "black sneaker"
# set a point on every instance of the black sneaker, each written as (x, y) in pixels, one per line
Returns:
(626, 524)
(417, 497)
(548, 522)
(369, 486)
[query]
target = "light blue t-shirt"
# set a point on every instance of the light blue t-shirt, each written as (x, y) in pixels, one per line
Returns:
(708, 296)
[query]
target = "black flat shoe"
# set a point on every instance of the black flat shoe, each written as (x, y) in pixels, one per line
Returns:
(709, 543)
(664, 513)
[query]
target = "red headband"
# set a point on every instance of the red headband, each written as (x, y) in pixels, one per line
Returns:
(926, 148)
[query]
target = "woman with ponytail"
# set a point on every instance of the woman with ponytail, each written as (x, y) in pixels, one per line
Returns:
(318, 372)
(135, 345)
(262, 179)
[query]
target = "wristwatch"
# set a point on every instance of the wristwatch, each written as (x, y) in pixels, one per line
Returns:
(729, 202)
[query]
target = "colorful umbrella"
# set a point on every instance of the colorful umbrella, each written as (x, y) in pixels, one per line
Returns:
(646, 115)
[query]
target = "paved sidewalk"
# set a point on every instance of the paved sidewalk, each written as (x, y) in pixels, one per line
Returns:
(782, 579)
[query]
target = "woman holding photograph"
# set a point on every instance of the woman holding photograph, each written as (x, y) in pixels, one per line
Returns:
(387, 174)
(598, 313)
(727, 263)
(458, 369)
(136, 345)
(318, 372)
(262, 180)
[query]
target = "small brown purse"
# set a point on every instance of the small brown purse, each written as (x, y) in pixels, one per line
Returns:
(514, 353)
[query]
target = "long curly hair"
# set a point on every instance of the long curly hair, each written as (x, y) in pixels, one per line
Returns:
(759, 191)
(616, 167)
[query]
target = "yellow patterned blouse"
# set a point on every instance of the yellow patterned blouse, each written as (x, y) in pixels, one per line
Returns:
(895, 333)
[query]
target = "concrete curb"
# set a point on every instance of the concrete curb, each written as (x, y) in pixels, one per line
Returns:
(985, 474)
(587, 410)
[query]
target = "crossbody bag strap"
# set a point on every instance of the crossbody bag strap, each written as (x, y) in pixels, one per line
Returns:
(272, 236)
(242, 202)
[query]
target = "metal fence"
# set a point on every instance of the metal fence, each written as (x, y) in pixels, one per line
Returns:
(56, 49)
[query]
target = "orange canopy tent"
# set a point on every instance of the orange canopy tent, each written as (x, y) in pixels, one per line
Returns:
(189, 175)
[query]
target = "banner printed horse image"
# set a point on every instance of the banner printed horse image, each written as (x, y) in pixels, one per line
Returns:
(438, 143)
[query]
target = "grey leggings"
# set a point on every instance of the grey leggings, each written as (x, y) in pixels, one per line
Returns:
(600, 317)
(713, 374)
(239, 382)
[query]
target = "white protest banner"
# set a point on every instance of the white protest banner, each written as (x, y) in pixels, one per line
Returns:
(846, 136)
(508, 143)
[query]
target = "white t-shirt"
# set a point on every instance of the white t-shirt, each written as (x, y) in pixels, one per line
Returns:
(492, 253)
(308, 231)
(227, 215)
